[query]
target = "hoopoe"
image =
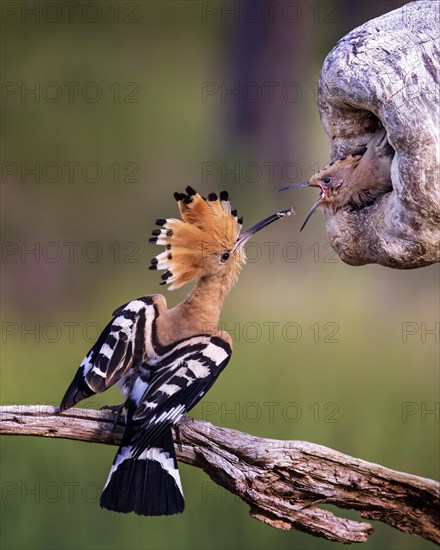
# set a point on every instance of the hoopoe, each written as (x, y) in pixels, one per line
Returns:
(167, 359)
(355, 181)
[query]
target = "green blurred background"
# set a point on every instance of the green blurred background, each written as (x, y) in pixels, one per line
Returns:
(130, 104)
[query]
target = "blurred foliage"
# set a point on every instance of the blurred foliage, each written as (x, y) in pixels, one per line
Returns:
(322, 351)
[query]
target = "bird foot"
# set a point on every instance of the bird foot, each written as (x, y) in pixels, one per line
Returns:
(116, 409)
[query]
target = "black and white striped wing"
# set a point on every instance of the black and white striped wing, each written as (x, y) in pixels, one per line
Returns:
(119, 347)
(175, 387)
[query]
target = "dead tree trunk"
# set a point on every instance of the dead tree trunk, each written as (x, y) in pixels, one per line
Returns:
(283, 482)
(386, 72)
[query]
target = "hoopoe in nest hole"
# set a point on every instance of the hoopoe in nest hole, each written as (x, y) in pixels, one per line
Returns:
(353, 182)
(167, 359)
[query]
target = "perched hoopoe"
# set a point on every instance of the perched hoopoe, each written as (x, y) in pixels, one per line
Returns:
(355, 181)
(167, 359)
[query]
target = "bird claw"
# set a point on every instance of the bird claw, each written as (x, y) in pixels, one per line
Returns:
(116, 409)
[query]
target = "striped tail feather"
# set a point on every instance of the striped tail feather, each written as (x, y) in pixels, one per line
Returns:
(149, 484)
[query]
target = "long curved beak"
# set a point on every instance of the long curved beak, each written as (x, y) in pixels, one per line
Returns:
(294, 186)
(244, 237)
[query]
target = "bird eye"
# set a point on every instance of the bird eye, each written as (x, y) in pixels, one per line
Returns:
(327, 180)
(225, 256)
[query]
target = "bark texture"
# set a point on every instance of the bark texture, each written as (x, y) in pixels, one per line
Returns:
(284, 482)
(387, 73)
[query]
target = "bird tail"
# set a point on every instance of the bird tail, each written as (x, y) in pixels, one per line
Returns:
(148, 484)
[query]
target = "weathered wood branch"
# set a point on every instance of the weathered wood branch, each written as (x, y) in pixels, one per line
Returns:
(387, 72)
(284, 482)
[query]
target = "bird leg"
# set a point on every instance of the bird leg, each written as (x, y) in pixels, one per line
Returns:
(116, 409)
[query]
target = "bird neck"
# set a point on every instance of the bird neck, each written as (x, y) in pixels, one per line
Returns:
(198, 313)
(203, 305)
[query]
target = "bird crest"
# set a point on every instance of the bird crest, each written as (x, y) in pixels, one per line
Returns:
(208, 227)
(349, 162)
(207, 241)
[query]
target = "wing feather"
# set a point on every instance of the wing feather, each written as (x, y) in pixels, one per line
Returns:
(119, 347)
(173, 390)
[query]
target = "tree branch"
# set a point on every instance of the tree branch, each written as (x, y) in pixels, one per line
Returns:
(282, 481)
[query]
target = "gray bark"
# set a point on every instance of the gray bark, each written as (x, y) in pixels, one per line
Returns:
(387, 72)
(283, 482)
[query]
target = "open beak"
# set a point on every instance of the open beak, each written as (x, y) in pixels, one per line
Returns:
(244, 237)
(317, 204)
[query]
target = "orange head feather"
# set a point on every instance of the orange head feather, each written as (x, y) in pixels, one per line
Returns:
(205, 242)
